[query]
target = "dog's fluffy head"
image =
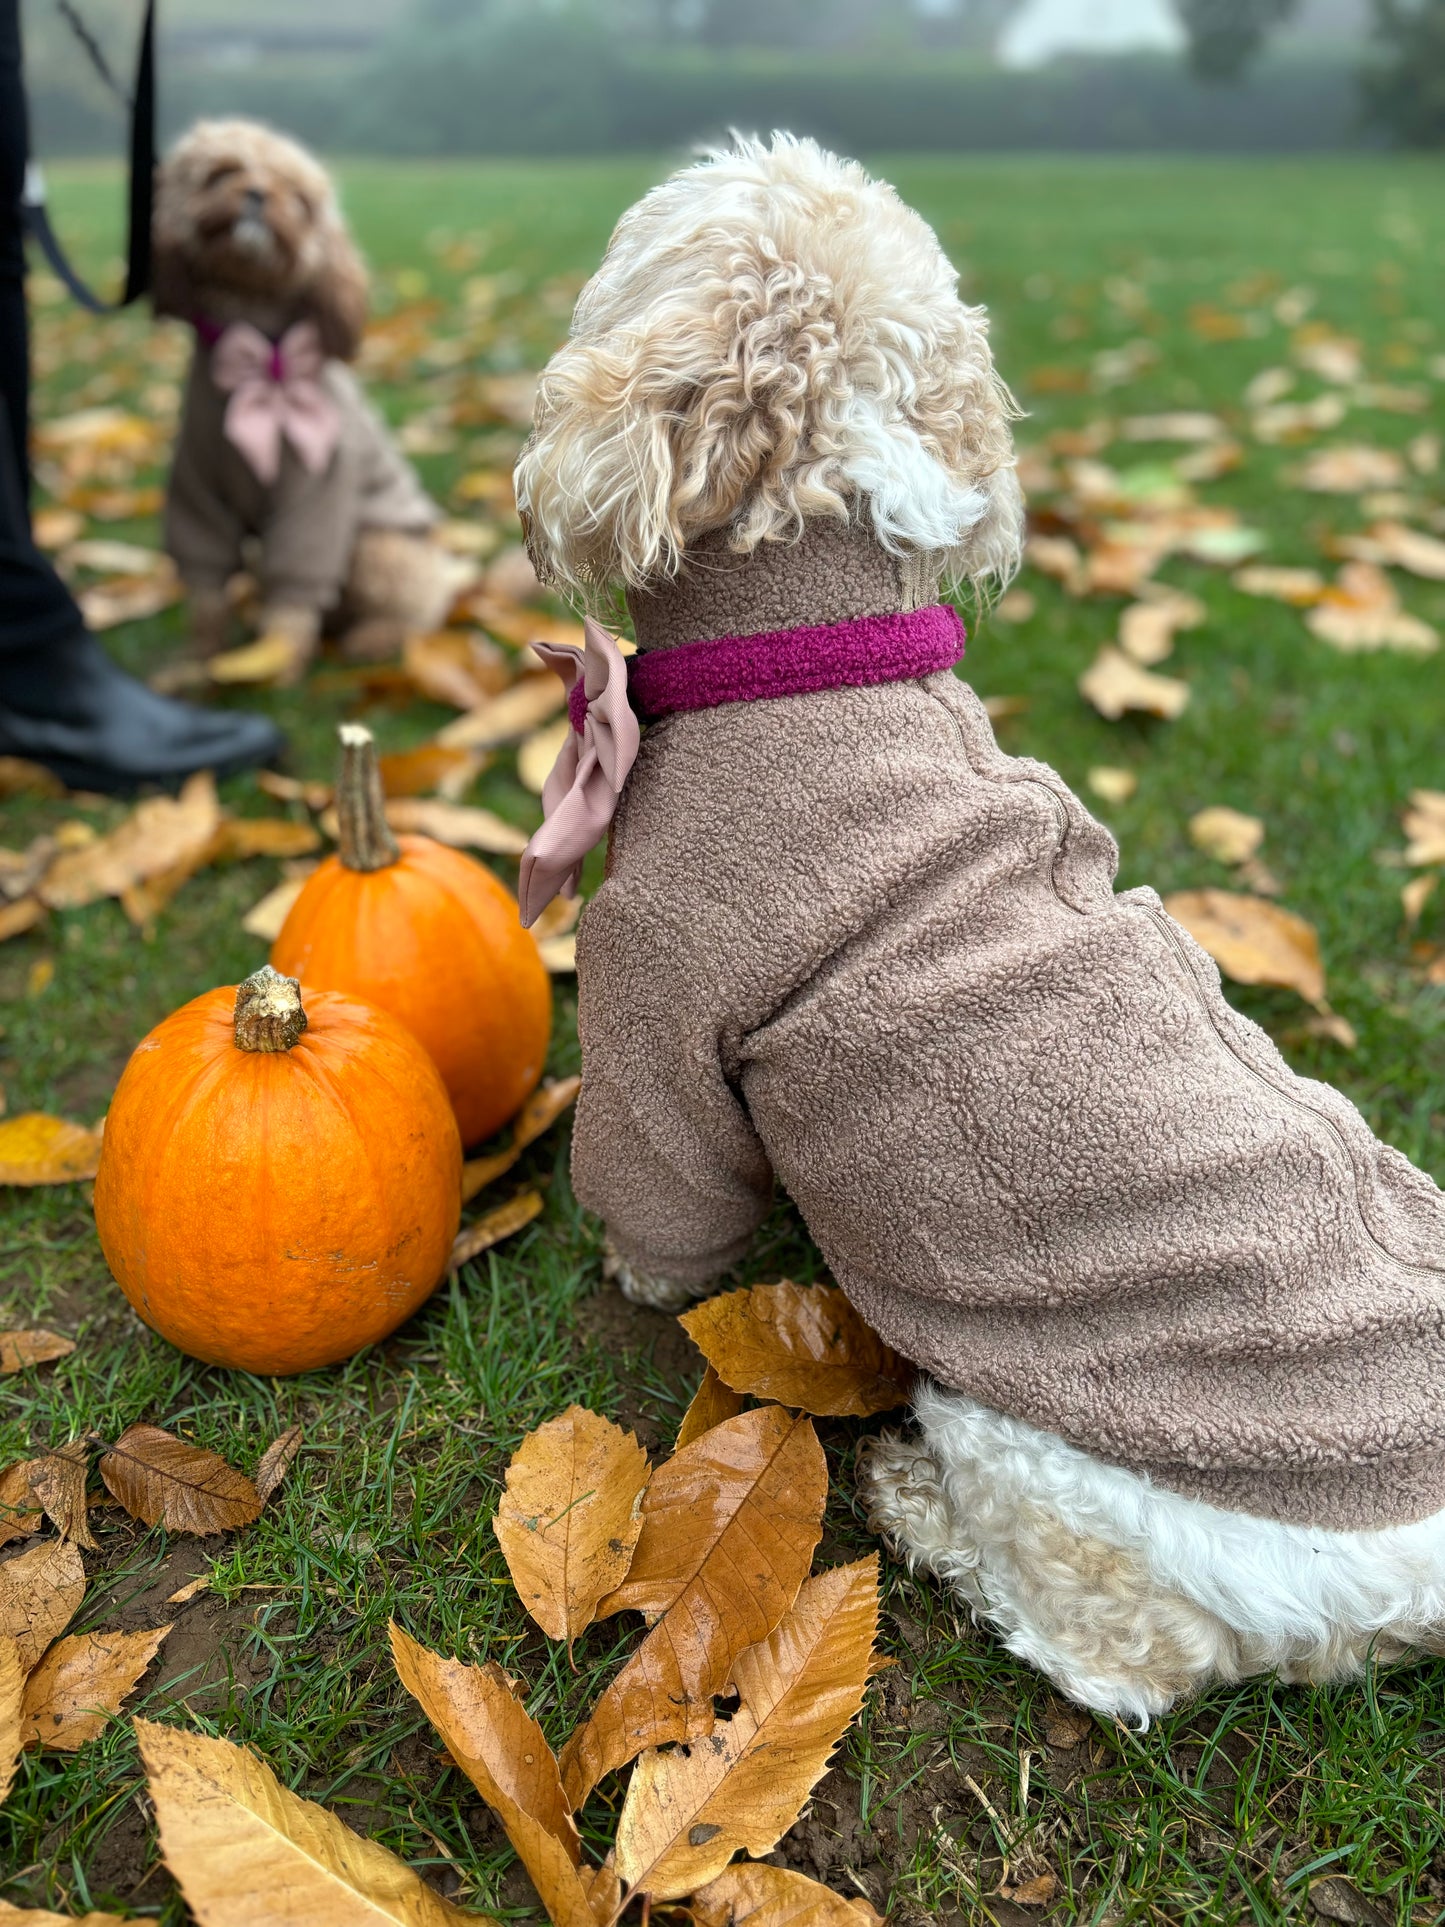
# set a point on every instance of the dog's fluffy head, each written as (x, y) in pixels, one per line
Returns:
(245, 217)
(771, 336)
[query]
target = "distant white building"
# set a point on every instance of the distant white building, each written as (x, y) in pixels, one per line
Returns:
(1042, 28)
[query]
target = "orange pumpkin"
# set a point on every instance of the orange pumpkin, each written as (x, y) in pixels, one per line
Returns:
(278, 1185)
(431, 936)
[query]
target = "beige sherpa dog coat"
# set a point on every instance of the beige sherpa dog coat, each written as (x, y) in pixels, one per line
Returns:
(1182, 1316)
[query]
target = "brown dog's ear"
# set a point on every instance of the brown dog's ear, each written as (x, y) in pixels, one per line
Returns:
(173, 291)
(337, 298)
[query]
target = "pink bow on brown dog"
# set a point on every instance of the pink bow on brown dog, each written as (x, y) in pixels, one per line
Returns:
(276, 394)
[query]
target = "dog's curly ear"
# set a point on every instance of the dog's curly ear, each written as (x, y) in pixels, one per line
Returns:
(173, 288)
(337, 295)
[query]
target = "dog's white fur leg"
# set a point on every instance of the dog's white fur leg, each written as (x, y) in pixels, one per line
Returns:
(657, 1294)
(1130, 1597)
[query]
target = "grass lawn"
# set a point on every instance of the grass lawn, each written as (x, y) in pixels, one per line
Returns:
(1226, 1811)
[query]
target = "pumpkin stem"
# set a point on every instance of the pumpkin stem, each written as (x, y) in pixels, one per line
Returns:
(269, 1016)
(364, 838)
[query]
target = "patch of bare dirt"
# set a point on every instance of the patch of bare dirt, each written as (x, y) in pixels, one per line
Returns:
(633, 1339)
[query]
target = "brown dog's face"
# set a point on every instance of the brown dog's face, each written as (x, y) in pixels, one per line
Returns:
(245, 215)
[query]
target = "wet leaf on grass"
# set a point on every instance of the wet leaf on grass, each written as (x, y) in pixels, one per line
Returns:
(493, 1227)
(160, 833)
(712, 1404)
(12, 1701)
(80, 1683)
(570, 1517)
(501, 1749)
(276, 1461)
(688, 1812)
(19, 1514)
(19, 1349)
(1253, 941)
(1113, 684)
(58, 1480)
(1229, 836)
(803, 1345)
(753, 1895)
(40, 1593)
(540, 1112)
(747, 1495)
(162, 1480)
(36, 1149)
(244, 1849)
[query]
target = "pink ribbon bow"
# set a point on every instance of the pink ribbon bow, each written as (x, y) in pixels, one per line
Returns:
(580, 795)
(276, 392)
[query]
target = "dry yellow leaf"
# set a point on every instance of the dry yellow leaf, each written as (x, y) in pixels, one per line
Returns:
(502, 1751)
(1298, 586)
(272, 658)
(12, 1701)
(163, 1480)
(570, 1516)
(36, 1149)
(21, 778)
(1351, 467)
(58, 1480)
(129, 598)
(1114, 785)
(160, 833)
(80, 1684)
(747, 1496)
(456, 667)
(1412, 549)
(1424, 820)
(40, 1593)
(803, 1345)
(478, 1173)
(17, 918)
(538, 1114)
(559, 955)
(275, 1462)
(291, 789)
(712, 1403)
(55, 528)
(688, 1812)
(19, 1514)
(492, 1228)
(521, 626)
(530, 701)
(1354, 630)
(465, 828)
(245, 1850)
(266, 916)
(1184, 425)
(238, 837)
(186, 1593)
(1114, 684)
(19, 1349)
(40, 1917)
(1414, 896)
(540, 750)
(429, 769)
(1253, 941)
(103, 555)
(1229, 836)
(753, 1895)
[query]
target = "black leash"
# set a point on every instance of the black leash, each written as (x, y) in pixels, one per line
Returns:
(142, 175)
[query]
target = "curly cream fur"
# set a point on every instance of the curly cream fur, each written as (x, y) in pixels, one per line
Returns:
(772, 336)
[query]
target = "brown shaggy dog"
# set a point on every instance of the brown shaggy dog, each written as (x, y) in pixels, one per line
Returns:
(281, 461)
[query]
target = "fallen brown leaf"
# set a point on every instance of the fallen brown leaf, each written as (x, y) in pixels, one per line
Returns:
(1179, 426)
(1036, 1892)
(497, 1224)
(539, 751)
(266, 916)
(803, 1345)
(129, 598)
(58, 1480)
(184, 1594)
(1253, 941)
(19, 1514)
(530, 701)
(559, 955)
(238, 837)
(17, 918)
(570, 1516)
(428, 770)
(455, 667)
(688, 1812)
(1298, 586)
(162, 1480)
(273, 658)
(160, 833)
(1229, 836)
(1114, 785)
(19, 1349)
(1335, 1898)
(36, 1149)
(12, 1701)
(1349, 468)
(1424, 821)
(40, 1917)
(40, 1593)
(275, 1462)
(748, 1495)
(753, 1895)
(1067, 1725)
(501, 1749)
(1114, 684)
(80, 1684)
(463, 827)
(245, 1850)
(712, 1403)
(55, 528)
(21, 778)
(1414, 895)
(291, 789)
(103, 555)
(1412, 549)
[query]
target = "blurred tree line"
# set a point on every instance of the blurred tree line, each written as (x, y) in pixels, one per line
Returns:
(580, 76)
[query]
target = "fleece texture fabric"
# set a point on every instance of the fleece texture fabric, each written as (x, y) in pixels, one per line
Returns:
(845, 944)
(306, 523)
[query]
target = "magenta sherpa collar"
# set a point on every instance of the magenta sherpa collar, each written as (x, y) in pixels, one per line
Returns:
(789, 662)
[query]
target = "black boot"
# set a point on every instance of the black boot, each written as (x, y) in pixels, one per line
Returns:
(68, 706)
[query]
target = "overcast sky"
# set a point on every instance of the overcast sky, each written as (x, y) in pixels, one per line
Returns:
(1044, 27)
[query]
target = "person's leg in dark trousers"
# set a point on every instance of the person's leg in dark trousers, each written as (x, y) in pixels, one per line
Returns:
(63, 702)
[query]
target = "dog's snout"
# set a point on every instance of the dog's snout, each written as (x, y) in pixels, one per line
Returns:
(253, 201)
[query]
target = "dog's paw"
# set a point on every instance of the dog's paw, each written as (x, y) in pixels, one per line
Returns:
(641, 1288)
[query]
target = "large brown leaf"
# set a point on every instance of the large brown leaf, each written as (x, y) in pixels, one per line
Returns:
(12, 1700)
(80, 1684)
(164, 1481)
(712, 1403)
(763, 1896)
(275, 1462)
(19, 1514)
(36, 1149)
(538, 1114)
(728, 1531)
(1114, 683)
(499, 1223)
(1253, 941)
(570, 1517)
(19, 1349)
(688, 1811)
(501, 1749)
(160, 833)
(803, 1345)
(58, 1480)
(247, 1852)
(40, 1593)
(41, 1917)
